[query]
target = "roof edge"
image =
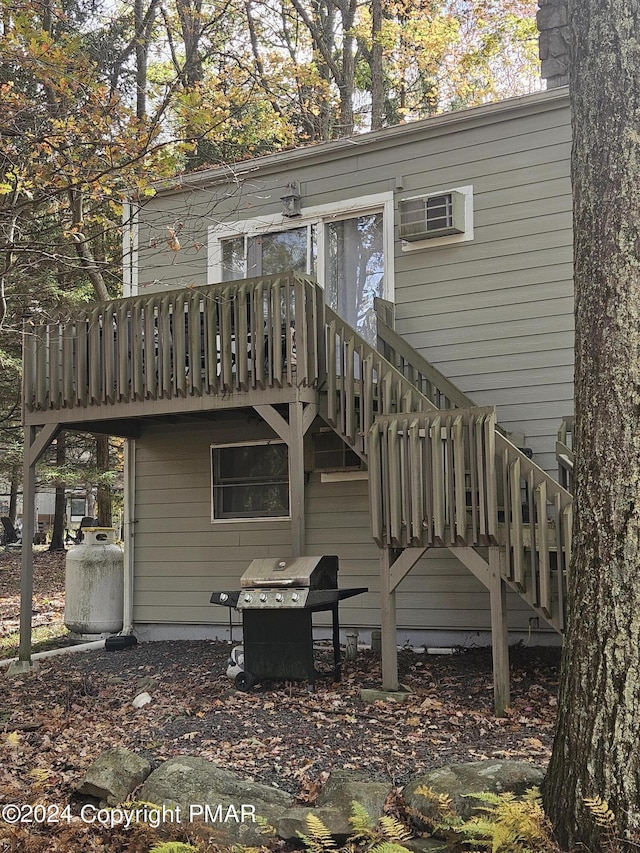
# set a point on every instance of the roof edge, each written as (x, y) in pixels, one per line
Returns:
(520, 105)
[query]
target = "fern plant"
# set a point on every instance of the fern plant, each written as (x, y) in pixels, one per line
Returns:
(438, 812)
(510, 824)
(387, 835)
(317, 838)
(605, 820)
(387, 830)
(173, 847)
(362, 824)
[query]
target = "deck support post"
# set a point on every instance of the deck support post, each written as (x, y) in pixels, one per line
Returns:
(292, 432)
(499, 634)
(296, 478)
(490, 576)
(394, 566)
(34, 446)
(388, 623)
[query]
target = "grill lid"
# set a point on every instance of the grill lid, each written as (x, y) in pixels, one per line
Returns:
(309, 572)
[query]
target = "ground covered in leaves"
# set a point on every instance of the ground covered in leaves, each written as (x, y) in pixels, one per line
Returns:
(55, 722)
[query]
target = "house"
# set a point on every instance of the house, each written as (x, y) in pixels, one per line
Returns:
(363, 348)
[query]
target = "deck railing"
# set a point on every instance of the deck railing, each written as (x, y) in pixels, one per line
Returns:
(362, 384)
(449, 478)
(536, 526)
(432, 479)
(217, 339)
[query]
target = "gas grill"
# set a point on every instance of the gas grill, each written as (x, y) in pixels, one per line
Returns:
(277, 599)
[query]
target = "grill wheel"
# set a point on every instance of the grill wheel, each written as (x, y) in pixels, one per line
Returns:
(245, 681)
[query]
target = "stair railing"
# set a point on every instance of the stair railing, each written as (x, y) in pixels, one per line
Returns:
(361, 385)
(432, 479)
(421, 373)
(535, 517)
(449, 478)
(565, 453)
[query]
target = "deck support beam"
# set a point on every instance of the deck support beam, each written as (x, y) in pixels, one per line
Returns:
(489, 575)
(296, 479)
(394, 566)
(388, 623)
(292, 432)
(35, 445)
(499, 634)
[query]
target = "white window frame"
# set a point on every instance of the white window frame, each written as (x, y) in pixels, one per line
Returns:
(243, 519)
(317, 215)
(447, 239)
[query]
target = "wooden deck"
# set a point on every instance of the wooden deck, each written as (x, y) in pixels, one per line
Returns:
(220, 346)
(442, 474)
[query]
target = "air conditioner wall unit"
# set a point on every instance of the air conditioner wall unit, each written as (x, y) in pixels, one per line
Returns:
(432, 216)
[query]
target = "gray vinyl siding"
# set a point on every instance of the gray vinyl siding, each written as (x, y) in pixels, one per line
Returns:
(181, 557)
(494, 314)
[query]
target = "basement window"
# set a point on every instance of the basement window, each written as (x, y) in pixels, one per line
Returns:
(330, 453)
(250, 481)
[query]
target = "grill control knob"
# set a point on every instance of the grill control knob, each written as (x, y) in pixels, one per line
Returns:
(248, 598)
(223, 597)
(263, 596)
(295, 596)
(279, 597)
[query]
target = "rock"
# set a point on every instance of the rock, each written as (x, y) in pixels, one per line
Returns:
(459, 780)
(425, 845)
(194, 783)
(114, 775)
(370, 694)
(141, 700)
(340, 791)
(293, 822)
(343, 787)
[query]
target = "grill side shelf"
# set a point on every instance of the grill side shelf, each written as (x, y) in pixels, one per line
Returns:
(320, 599)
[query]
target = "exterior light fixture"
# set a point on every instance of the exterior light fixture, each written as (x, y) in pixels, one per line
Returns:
(291, 200)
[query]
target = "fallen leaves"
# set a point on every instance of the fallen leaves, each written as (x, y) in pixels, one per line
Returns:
(54, 723)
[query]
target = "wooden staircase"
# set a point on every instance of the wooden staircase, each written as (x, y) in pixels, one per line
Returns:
(442, 473)
(445, 478)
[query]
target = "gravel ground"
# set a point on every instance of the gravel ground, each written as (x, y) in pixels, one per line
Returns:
(77, 706)
(54, 723)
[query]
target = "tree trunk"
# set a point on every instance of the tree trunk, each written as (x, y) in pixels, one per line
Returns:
(141, 60)
(376, 65)
(596, 747)
(104, 490)
(13, 494)
(57, 534)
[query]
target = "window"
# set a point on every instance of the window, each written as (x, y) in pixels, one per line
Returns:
(250, 481)
(354, 271)
(269, 253)
(330, 453)
(347, 246)
(78, 508)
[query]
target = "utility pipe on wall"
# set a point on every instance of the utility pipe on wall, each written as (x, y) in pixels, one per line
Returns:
(128, 534)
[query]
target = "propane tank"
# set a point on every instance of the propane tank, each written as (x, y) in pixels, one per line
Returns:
(94, 584)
